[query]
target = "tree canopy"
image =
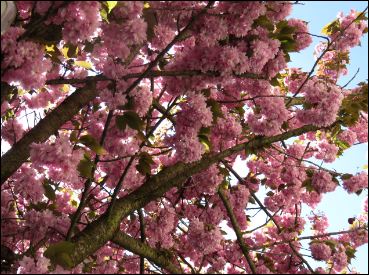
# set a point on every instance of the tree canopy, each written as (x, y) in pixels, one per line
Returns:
(123, 120)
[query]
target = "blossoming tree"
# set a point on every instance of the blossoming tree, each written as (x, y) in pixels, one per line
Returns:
(124, 120)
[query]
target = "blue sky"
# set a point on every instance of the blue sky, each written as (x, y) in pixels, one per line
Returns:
(339, 206)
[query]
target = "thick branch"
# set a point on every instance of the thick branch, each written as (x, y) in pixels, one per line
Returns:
(150, 74)
(20, 152)
(237, 230)
(96, 234)
(143, 238)
(137, 247)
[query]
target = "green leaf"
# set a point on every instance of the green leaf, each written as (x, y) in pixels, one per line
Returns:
(308, 185)
(274, 81)
(89, 47)
(92, 143)
(121, 123)
(49, 191)
(204, 131)
(133, 120)
(263, 21)
(331, 244)
(223, 232)
(288, 45)
(350, 253)
(270, 193)
(8, 114)
(252, 201)
(69, 51)
(129, 105)
(285, 125)
(204, 140)
(85, 167)
(346, 176)
(83, 64)
(59, 253)
(336, 130)
(331, 28)
(39, 207)
(342, 144)
(73, 136)
(111, 5)
(104, 15)
(144, 164)
(239, 110)
(53, 52)
(223, 171)
(215, 108)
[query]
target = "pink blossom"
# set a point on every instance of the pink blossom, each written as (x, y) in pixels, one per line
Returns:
(28, 265)
(327, 152)
(325, 100)
(356, 183)
(303, 37)
(320, 251)
(348, 136)
(322, 182)
(12, 131)
(24, 60)
(205, 238)
(142, 98)
(79, 20)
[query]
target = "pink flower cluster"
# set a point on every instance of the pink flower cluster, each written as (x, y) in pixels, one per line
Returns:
(320, 251)
(59, 158)
(319, 223)
(29, 184)
(207, 181)
(348, 136)
(322, 182)
(142, 98)
(203, 237)
(23, 61)
(324, 98)
(166, 220)
(350, 31)
(356, 183)
(79, 21)
(194, 115)
(332, 64)
(327, 152)
(303, 38)
(238, 198)
(269, 115)
(361, 128)
(225, 131)
(12, 131)
(28, 265)
(128, 26)
(112, 100)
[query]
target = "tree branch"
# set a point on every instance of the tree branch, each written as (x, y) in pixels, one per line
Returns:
(237, 230)
(150, 74)
(20, 152)
(103, 229)
(271, 217)
(312, 237)
(137, 247)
